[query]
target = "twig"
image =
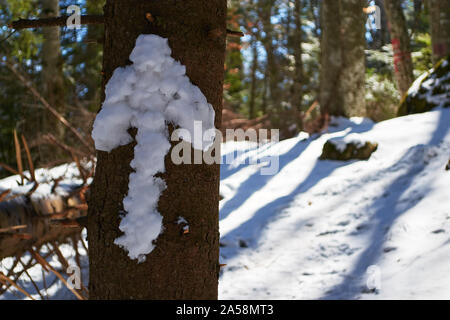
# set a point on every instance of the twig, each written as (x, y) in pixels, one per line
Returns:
(66, 265)
(232, 33)
(85, 246)
(32, 281)
(22, 236)
(13, 228)
(60, 256)
(80, 222)
(44, 282)
(70, 150)
(218, 32)
(18, 274)
(54, 22)
(32, 190)
(30, 160)
(9, 35)
(5, 278)
(77, 252)
(46, 265)
(8, 168)
(80, 168)
(18, 157)
(3, 195)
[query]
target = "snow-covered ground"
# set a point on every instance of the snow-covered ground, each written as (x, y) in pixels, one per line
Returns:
(313, 230)
(50, 286)
(319, 229)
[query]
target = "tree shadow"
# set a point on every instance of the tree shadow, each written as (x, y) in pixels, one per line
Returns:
(256, 181)
(343, 124)
(253, 228)
(387, 211)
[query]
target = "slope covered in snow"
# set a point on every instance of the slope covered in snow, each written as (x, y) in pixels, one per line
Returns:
(312, 230)
(321, 229)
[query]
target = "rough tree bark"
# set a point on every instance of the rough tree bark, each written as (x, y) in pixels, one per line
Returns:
(403, 65)
(440, 28)
(182, 266)
(342, 58)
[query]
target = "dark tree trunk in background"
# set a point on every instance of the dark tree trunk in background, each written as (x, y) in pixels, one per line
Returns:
(234, 64)
(272, 67)
(91, 55)
(382, 34)
(297, 94)
(417, 13)
(342, 77)
(181, 266)
(403, 65)
(252, 98)
(315, 9)
(352, 86)
(331, 57)
(440, 28)
(52, 78)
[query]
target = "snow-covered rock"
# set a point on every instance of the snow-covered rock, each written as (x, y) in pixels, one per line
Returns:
(347, 148)
(430, 90)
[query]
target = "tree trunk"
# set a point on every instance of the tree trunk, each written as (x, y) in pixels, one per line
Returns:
(382, 34)
(331, 57)
(182, 266)
(296, 93)
(252, 99)
(440, 28)
(234, 66)
(52, 75)
(342, 77)
(403, 65)
(272, 67)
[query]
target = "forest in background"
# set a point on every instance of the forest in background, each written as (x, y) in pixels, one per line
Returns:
(272, 73)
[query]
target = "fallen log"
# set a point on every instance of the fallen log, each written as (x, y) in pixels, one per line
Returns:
(29, 221)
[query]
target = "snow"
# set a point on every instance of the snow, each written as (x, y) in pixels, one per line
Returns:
(319, 229)
(182, 221)
(353, 138)
(51, 287)
(414, 89)
(322, 229)
(149, 94)
(429, 81)
(67, 175)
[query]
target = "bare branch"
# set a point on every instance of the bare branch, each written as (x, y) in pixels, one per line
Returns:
(53, 22)
(232, 33)
(47, 105)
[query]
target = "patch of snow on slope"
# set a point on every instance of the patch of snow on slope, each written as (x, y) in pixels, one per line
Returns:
(147, 95)
(68, 177)
(353, 138)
